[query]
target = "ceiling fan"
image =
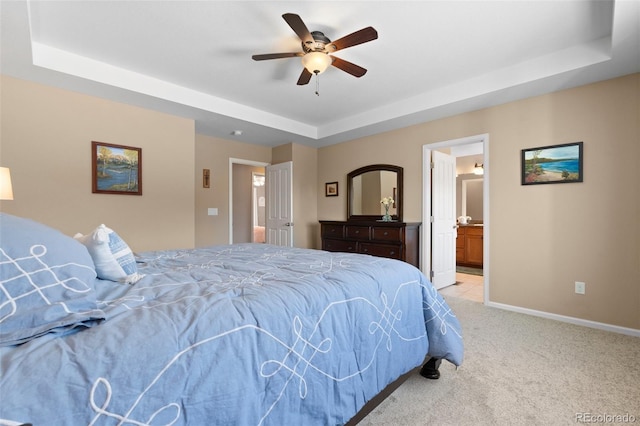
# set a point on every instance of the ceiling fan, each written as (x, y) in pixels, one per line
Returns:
(316, 49)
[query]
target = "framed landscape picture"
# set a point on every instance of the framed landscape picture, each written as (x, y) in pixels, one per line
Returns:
(552, 164)
(116, 169)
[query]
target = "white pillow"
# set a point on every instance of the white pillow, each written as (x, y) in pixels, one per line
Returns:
(112, 257)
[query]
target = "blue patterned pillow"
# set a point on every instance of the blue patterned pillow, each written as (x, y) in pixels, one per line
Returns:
(113, 259)
(46, 282)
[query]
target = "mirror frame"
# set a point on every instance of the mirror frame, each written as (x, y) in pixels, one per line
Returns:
(372, 168)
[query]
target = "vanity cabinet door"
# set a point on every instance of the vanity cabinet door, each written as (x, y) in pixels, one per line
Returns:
(473, 245)
(460, 245)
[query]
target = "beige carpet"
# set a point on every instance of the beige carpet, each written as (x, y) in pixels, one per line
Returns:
(523, 370)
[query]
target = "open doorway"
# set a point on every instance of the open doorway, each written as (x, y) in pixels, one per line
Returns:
(258, 203)
(462, 148)
(243, 204)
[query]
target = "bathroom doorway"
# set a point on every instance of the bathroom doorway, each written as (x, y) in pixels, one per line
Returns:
(457, 148)
(258, 203)
(241, 199)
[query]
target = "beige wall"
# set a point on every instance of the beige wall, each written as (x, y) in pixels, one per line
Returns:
(544, 237)
(305, 201)
(45, 139)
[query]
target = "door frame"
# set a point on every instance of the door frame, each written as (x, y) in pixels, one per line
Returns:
(233, 161)
(425, 237)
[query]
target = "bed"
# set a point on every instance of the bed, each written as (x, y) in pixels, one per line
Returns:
(246, 334)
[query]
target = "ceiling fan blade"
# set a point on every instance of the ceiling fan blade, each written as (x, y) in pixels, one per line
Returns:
(362, 36)
(305, 77)
(346, 66)
(275, 56)
(298, 26)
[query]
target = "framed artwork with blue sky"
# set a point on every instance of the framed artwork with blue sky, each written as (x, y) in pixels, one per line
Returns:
(116, 169)
(553, 164)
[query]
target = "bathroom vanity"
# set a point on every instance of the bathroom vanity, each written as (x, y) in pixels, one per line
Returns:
(469, 250)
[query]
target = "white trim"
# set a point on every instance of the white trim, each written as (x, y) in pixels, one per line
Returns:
(425, 229)
(233, 161)
(563, 318)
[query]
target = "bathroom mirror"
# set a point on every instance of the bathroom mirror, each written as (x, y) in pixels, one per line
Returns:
(368, 185)
(471, 199)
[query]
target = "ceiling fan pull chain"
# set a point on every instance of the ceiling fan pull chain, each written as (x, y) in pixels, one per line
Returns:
(317, 84)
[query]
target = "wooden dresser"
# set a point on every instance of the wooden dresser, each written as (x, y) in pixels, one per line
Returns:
(469, 251)
(396, 240)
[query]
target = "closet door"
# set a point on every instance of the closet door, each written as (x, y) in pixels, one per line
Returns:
(279, 204)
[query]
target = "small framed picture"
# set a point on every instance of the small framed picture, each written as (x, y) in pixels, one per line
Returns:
(552, 164)
(331, 189)
(206, 178)
(116, 169)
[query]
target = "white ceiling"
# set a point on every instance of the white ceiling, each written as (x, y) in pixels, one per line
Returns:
(432, 58)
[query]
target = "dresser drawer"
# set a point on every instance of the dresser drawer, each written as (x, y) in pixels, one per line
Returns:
(357, 232)
(339, 245)
(382, 233)
(332, 231)
(391, 251)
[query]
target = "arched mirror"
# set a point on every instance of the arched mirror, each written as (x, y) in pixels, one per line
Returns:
(368, 185)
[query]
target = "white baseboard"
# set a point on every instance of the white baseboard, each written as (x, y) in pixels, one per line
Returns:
(578, 321)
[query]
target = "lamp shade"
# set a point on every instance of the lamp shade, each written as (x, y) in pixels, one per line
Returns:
(316, 62)
(6, 190)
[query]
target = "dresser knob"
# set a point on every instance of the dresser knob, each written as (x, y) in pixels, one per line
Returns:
(357, 232)
(392, 252)
(386, 233)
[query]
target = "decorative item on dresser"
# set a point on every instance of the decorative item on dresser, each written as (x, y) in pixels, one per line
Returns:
(395, 240)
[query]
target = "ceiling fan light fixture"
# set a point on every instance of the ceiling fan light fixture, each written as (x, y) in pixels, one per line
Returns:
(316, 62)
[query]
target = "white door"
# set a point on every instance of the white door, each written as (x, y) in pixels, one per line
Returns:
(443, 226)
(279, 220)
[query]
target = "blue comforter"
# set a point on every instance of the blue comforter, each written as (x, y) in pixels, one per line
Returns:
(247, 334)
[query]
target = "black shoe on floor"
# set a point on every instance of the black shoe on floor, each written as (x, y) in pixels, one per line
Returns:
(430, 369)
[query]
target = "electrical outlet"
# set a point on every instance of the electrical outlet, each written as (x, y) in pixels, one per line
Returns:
(580, 287)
